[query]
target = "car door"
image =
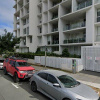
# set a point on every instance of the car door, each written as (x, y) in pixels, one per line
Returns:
(42, 81)
(5, 63)
(53, 91)
(12, 67)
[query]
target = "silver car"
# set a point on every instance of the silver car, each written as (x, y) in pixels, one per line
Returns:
(58, 85)
(1, 63)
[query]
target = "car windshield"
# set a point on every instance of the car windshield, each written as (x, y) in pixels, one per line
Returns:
(21, 64)
(1, 61)
(68, 81)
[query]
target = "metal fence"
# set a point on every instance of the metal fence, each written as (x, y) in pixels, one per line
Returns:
(91, 58)
(60, 63)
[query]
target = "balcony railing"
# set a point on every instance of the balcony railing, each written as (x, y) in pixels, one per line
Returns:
(79, 40)
(73, 26)
(84, 4)
(55, 16)
(48, 42)
(54, 4)
(54, 29)
(98, 19)
(55, 42)
(97, 1)
(98, 38)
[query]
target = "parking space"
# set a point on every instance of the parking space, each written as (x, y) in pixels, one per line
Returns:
(17, 91)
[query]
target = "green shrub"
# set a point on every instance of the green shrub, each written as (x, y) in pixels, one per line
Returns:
(65, 53)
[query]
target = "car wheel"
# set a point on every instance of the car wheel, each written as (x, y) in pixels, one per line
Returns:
(16, 79)
(66, 99)
(5, 71)
(33, 87)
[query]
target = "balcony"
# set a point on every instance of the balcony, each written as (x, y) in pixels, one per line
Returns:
(79, 40)
(97, 1)
(56, 3)
(98, 19)
(54, 29)
(55, 42)
(54, 17)
(84, 4)
(48, 42)
(98, 38)
(73, 26)
(27, 1)
(17, 21)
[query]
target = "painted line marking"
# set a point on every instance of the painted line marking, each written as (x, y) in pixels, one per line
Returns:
(15, 86)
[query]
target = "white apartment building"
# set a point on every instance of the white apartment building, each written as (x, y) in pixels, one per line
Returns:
(57, 24)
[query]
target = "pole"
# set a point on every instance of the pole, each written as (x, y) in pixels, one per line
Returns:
(45, 55)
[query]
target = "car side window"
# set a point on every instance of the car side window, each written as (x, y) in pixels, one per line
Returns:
(13, 63)
(6, 60)
(10, 62)
(52, 79)
(43, 75)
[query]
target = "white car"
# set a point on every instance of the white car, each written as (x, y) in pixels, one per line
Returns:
(1, 63)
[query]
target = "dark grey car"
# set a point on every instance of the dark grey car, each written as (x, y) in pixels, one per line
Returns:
(59, 86)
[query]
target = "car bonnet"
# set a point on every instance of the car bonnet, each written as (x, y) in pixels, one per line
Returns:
(84, 91)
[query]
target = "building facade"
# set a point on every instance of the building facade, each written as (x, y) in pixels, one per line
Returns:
(57, 24)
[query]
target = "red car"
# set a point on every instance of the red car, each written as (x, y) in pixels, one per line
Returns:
(18, 68)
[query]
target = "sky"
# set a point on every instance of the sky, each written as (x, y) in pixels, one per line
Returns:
(6, 15)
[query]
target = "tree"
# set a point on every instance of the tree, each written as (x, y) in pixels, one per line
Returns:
(7, 42)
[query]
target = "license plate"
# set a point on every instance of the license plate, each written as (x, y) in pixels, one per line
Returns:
(29, 74)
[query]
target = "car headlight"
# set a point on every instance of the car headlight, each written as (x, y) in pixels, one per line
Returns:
(22, 71)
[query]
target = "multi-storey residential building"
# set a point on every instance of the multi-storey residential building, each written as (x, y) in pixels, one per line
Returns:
(57, 24)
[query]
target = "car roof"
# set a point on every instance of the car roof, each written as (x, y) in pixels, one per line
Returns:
(54, 72)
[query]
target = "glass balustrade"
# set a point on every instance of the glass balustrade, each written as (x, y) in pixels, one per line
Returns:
(78, 40)
(75, 25)
(84, 4)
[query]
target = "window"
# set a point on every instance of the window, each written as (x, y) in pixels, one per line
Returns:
(27, 20)
(68, 81)
(98, 15)
(27, 30)
(1, 61)
(43, 75)
(98, 30)
(24, 22)
(40, 30)
(98, 12)
(11, 62)
(24, 41)
(52, 79)
(6, 60)
(30, 39)
(24, 31)
(22, 64)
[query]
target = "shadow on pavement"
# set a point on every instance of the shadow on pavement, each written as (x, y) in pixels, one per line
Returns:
(26, 86)
(91, 73)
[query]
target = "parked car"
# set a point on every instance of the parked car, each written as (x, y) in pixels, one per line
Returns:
(18, 68)
(58, 85)
(1, 63)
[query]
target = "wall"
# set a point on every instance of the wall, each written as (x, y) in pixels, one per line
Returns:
(59, 63)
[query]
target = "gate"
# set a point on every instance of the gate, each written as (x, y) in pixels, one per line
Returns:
(91, 58)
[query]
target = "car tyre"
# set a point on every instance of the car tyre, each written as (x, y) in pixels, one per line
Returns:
(5, 71)
(33, 87)
(16, 79)
(66, 99)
